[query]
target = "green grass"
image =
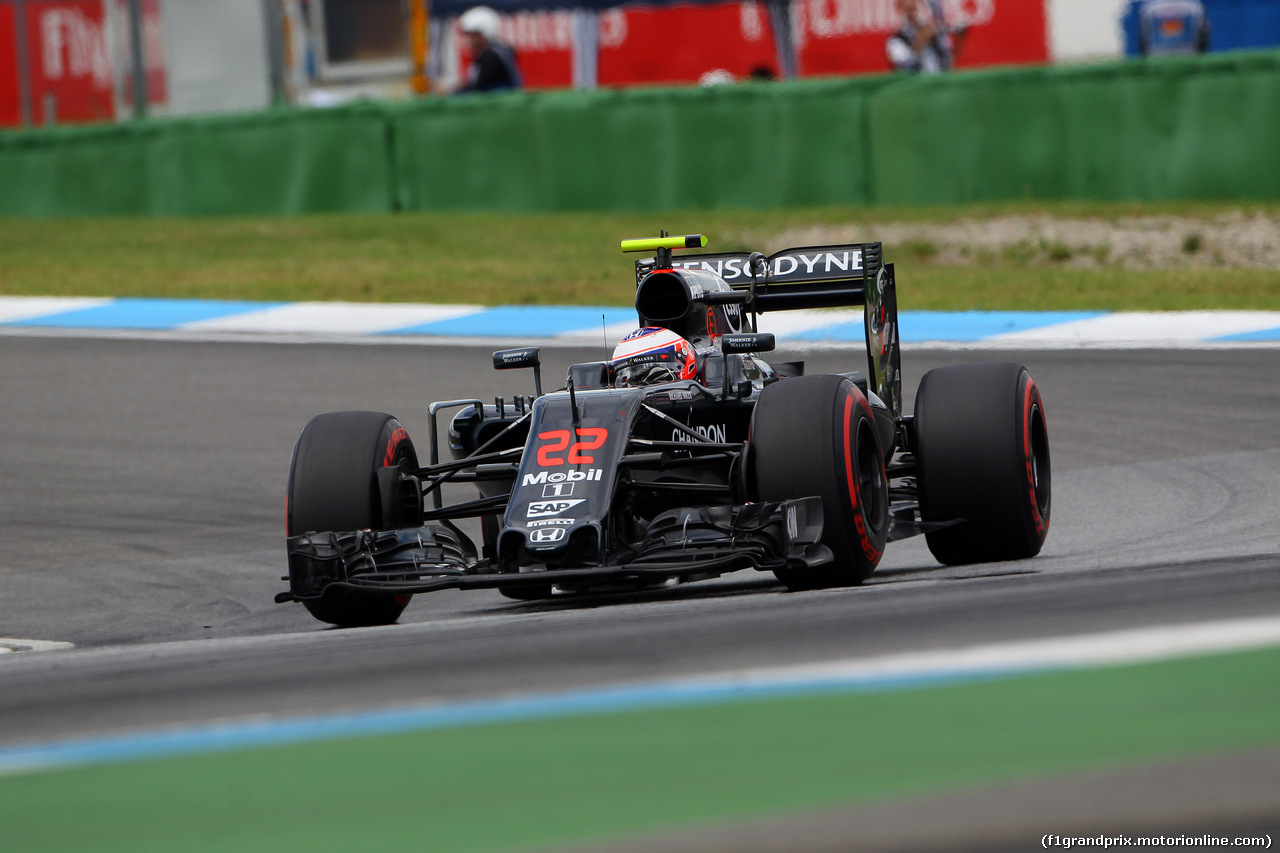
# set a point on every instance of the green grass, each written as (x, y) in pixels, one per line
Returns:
(578, 779)
(571, 258)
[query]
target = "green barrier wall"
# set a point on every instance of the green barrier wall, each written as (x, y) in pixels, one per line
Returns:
(762, 145)
(271, 163)
(1197, 127)
(1202, 127)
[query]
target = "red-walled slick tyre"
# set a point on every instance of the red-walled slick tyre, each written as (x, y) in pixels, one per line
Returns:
(982, 455)
(816, 435)
(333, 486)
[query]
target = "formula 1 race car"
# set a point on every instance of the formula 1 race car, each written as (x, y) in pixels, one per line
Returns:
(684, 457)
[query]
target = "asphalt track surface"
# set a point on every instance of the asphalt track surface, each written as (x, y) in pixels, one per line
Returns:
(142, 520)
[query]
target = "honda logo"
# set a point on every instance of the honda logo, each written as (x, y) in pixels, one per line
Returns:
(543, 535)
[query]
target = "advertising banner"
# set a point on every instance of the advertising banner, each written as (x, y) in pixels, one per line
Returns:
(75, 51)
(152, 51)
(10, 94)
(69, 67)
(544, 44)
(685, 43)
(848, 36)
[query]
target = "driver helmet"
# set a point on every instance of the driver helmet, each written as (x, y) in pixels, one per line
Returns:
(482, 21)
(651, 355)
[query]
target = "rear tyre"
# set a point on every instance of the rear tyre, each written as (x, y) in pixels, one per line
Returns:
(816, 435)
(333, 485)
(982, 454)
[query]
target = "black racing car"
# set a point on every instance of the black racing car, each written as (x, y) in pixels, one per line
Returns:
(721, 463)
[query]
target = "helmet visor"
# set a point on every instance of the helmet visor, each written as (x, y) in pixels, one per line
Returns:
(644, 373)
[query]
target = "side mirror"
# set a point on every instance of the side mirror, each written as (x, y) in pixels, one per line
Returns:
(754, 342)
(509, 359)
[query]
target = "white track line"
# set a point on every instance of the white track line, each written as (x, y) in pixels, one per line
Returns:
(1111, 648)
(341, 318)
(14, 309)
(8, 645)
(1147, 327)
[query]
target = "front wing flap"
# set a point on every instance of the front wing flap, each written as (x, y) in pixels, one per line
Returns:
(387, 559)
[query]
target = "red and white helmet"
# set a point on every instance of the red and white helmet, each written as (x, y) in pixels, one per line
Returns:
(651, 355)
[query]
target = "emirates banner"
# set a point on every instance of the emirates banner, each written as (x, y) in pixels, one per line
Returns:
(686, 43)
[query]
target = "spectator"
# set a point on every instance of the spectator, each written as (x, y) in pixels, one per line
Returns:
(923, 43)
(493, 64)
(1167, 27)
(716, 77)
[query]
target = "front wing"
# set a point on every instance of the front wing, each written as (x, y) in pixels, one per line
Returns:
(686, 543)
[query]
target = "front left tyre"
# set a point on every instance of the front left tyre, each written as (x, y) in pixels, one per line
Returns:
(333, 486)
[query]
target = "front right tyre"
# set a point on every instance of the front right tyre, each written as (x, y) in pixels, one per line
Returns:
(816, 435)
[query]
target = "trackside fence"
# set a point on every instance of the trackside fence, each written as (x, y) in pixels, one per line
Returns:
(1187, 128)
(1184, 128)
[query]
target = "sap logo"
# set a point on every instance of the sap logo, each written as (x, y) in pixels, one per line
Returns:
(544, 522)
(557, 490)
(542, 477)
(541, 509)
(714, 432)
(546, 534)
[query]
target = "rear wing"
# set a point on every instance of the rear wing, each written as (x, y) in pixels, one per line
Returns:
(806, 277)
(838, 276)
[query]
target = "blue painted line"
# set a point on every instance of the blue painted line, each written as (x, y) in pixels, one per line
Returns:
(521, 321)
(145, 314)
(975, 325)
(535, 323)
(955, 326)
(269, 733)
(1260, 335)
